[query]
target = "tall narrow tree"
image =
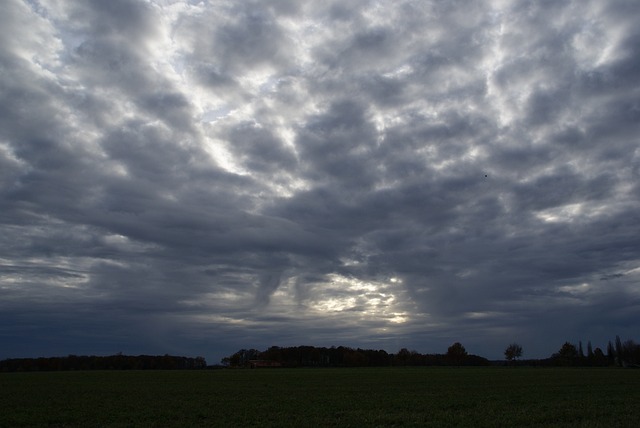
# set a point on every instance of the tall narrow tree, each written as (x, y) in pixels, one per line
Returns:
(619, 356)
(610, 353)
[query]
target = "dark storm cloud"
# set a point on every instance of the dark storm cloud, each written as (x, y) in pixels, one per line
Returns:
(259, 149)
(191, 177)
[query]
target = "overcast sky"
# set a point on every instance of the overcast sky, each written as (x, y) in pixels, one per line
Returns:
(196, 177)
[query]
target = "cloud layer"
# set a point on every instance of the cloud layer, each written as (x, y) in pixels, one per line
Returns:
(196, 177)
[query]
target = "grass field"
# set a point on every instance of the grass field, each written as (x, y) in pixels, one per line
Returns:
(324, 397)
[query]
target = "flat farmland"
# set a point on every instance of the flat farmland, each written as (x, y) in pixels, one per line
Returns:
(425, 396)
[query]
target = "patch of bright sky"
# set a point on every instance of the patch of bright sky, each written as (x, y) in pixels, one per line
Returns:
(168, 59)
(216, 148)
(597, 42)
(121, 242)
(9, 154)
(633, 271)
(576, 289)
(501, 101)
(475, 154)
(576, 211)
(590, 47)
(70, 271)
(40, 45)
(230, 297)
(365, 298)
(483, 315)
(226, 320)
(563, 214)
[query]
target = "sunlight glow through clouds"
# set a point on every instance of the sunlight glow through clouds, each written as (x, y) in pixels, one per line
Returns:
(574, 212)
(372, 300)
(566, 213)
(577, 289)
(482, 315)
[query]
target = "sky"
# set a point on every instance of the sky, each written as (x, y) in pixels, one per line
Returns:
(196, 177)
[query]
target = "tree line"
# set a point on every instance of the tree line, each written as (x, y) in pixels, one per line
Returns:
(342, 356)
(113, 362)
(619, 353)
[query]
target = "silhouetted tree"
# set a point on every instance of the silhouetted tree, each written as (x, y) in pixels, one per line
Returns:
(456, 353)
(513, 352)
(599, 359)
(611, 356)
(567, 355)
(568, 350)
(630, 354)
(618, 351)
(589, 351)
(242, 357)
(403, 357)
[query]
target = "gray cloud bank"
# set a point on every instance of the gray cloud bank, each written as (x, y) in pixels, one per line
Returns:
(195, 177)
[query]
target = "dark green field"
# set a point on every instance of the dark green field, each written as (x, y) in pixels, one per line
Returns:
(324, 397)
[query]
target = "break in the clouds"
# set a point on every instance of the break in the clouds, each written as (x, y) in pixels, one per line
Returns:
(197, 177)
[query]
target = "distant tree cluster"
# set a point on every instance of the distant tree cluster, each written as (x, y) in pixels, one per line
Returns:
(619, 353)
(311, 356)
(113, 362)
(622, 354)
